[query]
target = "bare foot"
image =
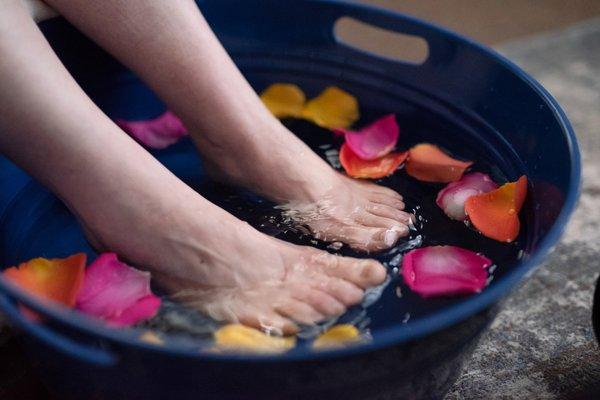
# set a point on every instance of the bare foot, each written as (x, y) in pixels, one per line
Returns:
(276, 164)
(226, 268)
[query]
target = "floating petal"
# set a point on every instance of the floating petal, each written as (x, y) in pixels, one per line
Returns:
(236, 337)
(142, 310)
(375, 169)
(496, 214)
(55, 279)
(375, 140)
(444, 271)
(116, 292)
(284, 100)
(156, 133)
(338, 336)
(428, 163)
(152, 338)
(452, 198)
(333, 109)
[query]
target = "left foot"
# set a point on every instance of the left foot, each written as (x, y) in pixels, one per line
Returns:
(279, 166)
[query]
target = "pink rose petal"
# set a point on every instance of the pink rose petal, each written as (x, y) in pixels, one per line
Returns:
(375, 140)
(444, 271)
(114, 291)
(143, 309)
(157, 133)
(452, 198)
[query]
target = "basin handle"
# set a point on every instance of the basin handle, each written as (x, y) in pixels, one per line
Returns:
(441, 43)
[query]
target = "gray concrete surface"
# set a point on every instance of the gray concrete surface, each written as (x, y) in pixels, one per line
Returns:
(541, 346)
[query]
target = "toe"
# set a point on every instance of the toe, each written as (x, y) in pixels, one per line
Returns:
(362, 273)
(376, 221)
(374, 239)
(252, 308)
(269, 322)
(358, 237)
(385, 211)
(381, 238)
(389, 237)
(384, 199)
(299, 311)
(321, 301)
(346, 292)
(373, 188)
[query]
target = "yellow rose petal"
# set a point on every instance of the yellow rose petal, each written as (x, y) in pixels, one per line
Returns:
(333, 108)
(151, 337)
(338, 336)
(242, 338)
(284, 100)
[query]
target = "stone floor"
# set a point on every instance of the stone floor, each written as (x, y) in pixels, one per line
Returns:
(541, 345)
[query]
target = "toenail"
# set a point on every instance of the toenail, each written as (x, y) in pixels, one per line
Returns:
(393, 234)
(398, 228)
(373, 274)
(390, 237)
(366, 273)
(337, 308)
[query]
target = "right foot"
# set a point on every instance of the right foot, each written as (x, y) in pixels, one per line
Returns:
(335, 208)
(226, 268)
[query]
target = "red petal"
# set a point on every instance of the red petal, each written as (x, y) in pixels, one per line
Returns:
(55, 279)
(112, 291)
(375, 140)
(359, 168)
(452, 198)
(428, 163)
(496, 214)
(444, 271)
(157, 133)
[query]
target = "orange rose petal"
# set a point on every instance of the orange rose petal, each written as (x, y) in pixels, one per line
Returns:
(338, 336)
(428, 163)
(356, 167)
(242, 338)
(55, 279)
(333, 109)
(496, 214)
(284, 100)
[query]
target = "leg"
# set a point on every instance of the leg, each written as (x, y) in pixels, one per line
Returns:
(170, 45)
(136, 207)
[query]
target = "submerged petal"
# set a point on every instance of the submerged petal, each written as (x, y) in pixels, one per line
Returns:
(338, 336)
(284, 100)
(238, 337)
(117, 292)
(452, 198)
(158, 133)
(375, 140)
(152, 337)
(444, 270)
(496, 214)
(55, 279)
(143, 309)
(356, 167)
(333, 109)
(428, 163)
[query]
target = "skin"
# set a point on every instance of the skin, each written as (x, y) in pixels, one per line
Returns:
(129, 203)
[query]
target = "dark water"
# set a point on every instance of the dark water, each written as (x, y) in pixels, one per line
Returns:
(397, 305)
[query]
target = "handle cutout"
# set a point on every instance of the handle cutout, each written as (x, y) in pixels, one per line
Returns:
(382, 42)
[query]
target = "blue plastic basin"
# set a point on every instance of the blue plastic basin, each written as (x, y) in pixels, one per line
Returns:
(489, 105)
